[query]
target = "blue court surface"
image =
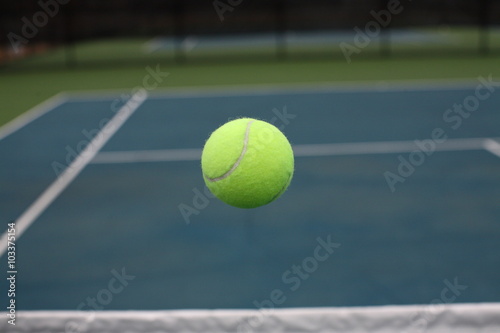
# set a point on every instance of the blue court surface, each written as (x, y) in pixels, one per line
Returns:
(372, 217)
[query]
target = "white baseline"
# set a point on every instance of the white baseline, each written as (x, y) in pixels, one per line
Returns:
(32, 114)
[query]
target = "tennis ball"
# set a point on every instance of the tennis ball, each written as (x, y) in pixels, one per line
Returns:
(247, 163)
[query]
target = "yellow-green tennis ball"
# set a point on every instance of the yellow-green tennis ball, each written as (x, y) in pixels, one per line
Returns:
(247, 163)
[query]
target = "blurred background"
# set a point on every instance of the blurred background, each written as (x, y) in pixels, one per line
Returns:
(128, 31)
(79, 35)
(55, 36)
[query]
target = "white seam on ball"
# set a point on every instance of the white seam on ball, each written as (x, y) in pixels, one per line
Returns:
(238, 161)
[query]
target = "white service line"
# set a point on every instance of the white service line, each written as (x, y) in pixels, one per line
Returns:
(329, 149)
(32, 114)
(383, 147)
(492, 146)
(72, 171)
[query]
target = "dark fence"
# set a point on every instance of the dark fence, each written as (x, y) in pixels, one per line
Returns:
(27, 24)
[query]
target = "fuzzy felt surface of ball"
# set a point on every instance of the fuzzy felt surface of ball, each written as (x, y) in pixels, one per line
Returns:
(247, 163)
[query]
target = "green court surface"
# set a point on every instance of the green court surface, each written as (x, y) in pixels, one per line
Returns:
(120, 64)
(20, 90)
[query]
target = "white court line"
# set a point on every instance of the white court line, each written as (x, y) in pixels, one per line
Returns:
(385, 147)
(32, 114)
(304, 88)
(166, 155)
(329, 149)
(72, 171)
(492, 146)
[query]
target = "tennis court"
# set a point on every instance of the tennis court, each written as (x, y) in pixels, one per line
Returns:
(390, 223)
(127, 210)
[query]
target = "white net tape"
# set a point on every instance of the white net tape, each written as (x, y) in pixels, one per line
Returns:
(456, 318)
